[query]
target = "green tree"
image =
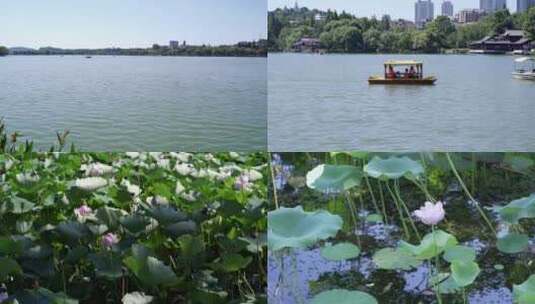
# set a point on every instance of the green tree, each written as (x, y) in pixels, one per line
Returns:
(438, 33)
(529, 23)
(3, 51)
(501, 21)
(371, 40)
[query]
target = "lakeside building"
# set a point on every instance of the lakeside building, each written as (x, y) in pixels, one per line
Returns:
(524, 5)
(403, 24)
(510, 40)
(491, 6)
(173, 44)
(424, 12)
(320, 17)
(447, 8)
(307, 45)
(469, 15)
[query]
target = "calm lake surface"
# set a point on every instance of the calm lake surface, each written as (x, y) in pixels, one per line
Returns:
(137, 103)
(324, 103)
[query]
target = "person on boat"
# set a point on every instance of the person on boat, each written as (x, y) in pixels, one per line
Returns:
(412, 72)
(406, 75)
(391, 74)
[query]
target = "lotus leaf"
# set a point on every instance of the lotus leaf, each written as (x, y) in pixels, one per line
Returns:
(525, 292)
(513, 243)
(333, 178)
(341, 296)
(295, 228)
(137, 298)
(8, 267)
(464, 272)
(393, 168)
(391, 258)
(462, 253)
(340, 252)
(446, 283)
(432, 244)
(518, 209)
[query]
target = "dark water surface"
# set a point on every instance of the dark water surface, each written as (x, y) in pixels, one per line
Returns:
(324, 103)
(137, 103)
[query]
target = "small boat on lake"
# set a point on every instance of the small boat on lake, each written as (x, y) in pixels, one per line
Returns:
(412, 75)
(88, 57)
(524, 68)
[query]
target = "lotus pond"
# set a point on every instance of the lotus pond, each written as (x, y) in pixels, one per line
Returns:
(132, 227)
(366, 228)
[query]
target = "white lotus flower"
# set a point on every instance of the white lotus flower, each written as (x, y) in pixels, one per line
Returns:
(181, 156)
(189, 196)
(132, 154)
(157, 200)
(90, 183)
(234, 155)
(179, 188)
(96, 169)
(133, 189)
(163, 163)
(137, 298)
(253, 175)
(184, 169)
(431, 214)
(27, 178)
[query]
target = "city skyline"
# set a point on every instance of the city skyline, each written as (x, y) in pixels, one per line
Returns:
(403, 9)
(131, 24)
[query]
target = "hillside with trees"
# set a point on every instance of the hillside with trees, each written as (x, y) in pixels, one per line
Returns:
(346, 33)
(3, 51)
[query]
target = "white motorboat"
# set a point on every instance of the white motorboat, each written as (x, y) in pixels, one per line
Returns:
(524, 68)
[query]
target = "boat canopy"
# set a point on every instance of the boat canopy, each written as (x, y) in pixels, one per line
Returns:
(524, 59)
(403, 62)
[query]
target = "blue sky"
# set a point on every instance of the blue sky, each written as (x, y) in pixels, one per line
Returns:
(130, 23)
(366, 8)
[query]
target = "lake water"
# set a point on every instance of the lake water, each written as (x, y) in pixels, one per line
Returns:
(137, 103)
(324, 103)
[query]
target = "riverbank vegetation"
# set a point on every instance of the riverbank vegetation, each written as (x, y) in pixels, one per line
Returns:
(402, 228)
(131, 227)
(243, 49)
(3, 51)
(345, 33)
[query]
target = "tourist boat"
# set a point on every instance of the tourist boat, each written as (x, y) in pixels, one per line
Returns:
(88, 57)
(523, 70)
(405, 78)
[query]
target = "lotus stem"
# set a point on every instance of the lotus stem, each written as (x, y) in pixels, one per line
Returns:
(273, 182)
(400, 211)
(370, 190)
(476, 203)
(398, 194)
(437, 266)
(382, 201)
(353, 210)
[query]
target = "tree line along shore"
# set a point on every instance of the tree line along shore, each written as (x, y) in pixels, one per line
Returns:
(346, 33)
(242, 49)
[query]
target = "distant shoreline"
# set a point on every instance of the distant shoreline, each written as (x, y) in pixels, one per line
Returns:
(138, 55)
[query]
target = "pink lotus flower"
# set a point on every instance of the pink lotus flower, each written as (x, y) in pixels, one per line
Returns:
(109, 240)
(83, 211)
(430, 214)
(242, 182)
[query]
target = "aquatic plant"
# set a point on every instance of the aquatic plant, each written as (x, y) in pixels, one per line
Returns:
(525, 293)
(341, 296)
(112, 227)
(340, 252)
(430, 214)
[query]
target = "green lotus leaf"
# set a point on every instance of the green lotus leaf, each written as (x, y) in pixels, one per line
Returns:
(518, 162)
(342, 296)
(8, 267)
(166, 215)
(393, 168)
(38, 252)
(73, 230)
(76, 254)
(333, 178)
(446, 283)
(354, 154)
(232, 262)
(525, 292)
(433, 244)
(340, 252)
(464, 272)
(462, 253)
(134, 223)
(149, 270)
(181, 228)
(19, 205)
(518, 209)
(109, 216)
(10, 246)
(43, 295)
(395, 258)
(513, 243)
(107, 266)
(44, 268)
(295, 228)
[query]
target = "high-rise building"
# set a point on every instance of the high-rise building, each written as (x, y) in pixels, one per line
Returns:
(424, 12)
(491, 6)
(173, 44)
(524, 5)
(469, 15)
(447, 8)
